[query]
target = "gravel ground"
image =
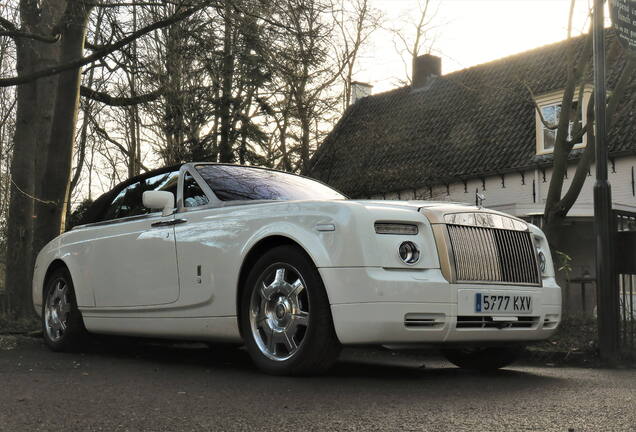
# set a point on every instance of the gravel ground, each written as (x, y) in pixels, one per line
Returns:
(127, 385)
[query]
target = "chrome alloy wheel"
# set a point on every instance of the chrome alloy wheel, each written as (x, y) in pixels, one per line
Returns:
(57, 310)
(279, 312)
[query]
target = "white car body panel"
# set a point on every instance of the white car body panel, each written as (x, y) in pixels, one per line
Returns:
(124, 256)
(134, 279)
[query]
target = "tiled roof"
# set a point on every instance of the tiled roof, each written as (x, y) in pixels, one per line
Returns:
(467, 124)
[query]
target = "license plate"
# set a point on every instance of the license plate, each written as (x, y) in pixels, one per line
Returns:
(486, 303)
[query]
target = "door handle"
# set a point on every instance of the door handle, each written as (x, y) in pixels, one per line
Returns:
(168, 223)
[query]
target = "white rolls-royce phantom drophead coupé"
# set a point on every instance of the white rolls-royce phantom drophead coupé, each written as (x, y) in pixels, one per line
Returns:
(294, 270)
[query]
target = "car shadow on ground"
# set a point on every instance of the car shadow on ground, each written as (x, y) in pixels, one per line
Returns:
(366, 363)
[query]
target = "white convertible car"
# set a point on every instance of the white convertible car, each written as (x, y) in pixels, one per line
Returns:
(293, 269)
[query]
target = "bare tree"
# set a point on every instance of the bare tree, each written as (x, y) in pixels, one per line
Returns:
(356, 22)
(49, 42)
(415, 37)
(570, 129)
(7, 129)
(305, 69)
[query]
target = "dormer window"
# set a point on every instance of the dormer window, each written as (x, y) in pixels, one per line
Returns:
(550, 106)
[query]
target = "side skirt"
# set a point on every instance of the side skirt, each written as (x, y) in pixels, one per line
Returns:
(221, 329)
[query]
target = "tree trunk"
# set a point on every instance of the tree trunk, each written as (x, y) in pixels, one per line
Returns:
(305, 124)
(133, 112)
(285, 162)
(33, 121)
(51, 210)
(20, 220)
(225, 146)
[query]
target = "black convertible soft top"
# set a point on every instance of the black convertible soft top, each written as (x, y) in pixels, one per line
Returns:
(96, 210)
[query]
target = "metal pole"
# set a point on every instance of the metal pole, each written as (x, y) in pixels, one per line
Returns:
(605, 288)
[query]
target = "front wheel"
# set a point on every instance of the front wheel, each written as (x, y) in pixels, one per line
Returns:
(482, 359)
(62, 324)
(285, 315)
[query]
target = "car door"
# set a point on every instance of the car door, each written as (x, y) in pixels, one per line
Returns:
(196, 243)
(132, 255)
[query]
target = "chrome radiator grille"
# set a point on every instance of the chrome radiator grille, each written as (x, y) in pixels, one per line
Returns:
(493, 255)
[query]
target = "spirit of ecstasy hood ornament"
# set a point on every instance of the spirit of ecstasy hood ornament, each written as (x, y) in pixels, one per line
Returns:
(479, 198)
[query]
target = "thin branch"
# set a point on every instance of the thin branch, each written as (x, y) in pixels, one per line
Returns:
(547, 125)
(570, 17)
(8, 25)
(31, 197)
(7, 82)
(24, 35)
(9, 111)
(123, 4)
(12, 31)
(119, 101)
(107, 137)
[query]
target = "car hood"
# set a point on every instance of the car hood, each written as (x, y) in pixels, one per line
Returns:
(433, 210)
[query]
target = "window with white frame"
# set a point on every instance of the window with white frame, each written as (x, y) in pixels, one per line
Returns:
(550, 107)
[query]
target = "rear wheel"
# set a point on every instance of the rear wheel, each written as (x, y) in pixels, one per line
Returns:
(482, 359)
(62, 323)
(285, 315)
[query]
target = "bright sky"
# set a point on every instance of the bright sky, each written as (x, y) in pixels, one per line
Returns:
(469, 32)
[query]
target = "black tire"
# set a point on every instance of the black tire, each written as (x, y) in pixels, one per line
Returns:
(319, 348)
(482, 359)
(71, 337)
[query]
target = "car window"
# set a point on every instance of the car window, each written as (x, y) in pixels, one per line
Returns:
(128, 202)
(193, 196)
(244, 183)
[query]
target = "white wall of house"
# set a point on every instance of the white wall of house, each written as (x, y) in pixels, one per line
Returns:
(514, 193)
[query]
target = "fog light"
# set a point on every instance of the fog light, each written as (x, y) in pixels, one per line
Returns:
(542, 260)
(409, 253)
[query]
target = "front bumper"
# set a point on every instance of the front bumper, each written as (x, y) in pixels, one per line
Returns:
(381, 306)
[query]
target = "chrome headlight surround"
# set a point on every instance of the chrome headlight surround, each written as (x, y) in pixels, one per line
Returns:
(544, 258)
(542, 261)
(409, 253)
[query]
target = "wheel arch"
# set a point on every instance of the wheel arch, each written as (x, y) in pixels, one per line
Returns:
(254, 254)
(40, 278)
(57, 263)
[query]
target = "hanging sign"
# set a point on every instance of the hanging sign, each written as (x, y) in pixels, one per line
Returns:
(623, 13)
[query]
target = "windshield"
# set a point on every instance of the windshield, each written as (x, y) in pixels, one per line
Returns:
(237, 183)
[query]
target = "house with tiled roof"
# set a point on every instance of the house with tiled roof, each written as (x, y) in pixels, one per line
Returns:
(446, 137)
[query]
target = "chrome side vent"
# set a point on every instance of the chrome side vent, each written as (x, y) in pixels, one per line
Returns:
(488, 322)
(424, 320)
(493, 255)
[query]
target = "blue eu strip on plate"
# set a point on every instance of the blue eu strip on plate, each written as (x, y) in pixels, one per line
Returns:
(478, 302)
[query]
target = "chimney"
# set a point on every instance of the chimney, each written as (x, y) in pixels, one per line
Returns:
(360, 90)
(425, 67)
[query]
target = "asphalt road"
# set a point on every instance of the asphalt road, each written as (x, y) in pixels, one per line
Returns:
(125, 385)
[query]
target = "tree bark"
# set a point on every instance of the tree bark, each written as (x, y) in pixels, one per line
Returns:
(305, 127)
(285, 162)
(225, 145)
(33, 122)
(51, 210)
(20, 220)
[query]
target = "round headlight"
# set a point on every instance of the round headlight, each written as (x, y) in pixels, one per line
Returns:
(542, 260)
(409, 253)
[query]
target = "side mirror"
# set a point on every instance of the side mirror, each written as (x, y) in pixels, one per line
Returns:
(155, 200)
